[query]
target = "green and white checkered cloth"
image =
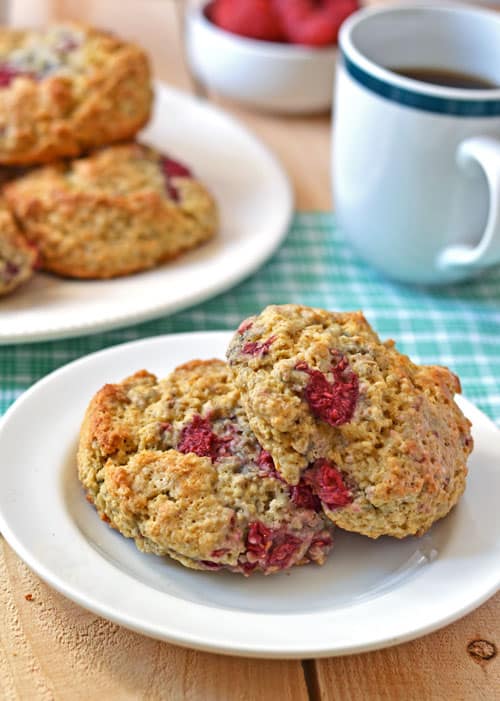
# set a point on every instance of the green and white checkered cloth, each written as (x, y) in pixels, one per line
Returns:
(457, 326)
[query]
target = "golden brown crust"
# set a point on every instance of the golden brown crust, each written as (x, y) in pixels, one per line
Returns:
(96, 90)
(402, 444)
(171, 500)
(112, 213)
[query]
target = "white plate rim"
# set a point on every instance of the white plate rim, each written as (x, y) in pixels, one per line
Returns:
(203, 642)
(231, 277)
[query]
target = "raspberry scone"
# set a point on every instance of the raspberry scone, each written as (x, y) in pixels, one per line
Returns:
(17, 257)
(120, 210)
(379, 439)
(174, 465)
(66, 89)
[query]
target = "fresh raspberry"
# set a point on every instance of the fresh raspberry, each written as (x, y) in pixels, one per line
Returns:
(198, 438)
(333, 402)
(283, 551)
(256, 19)
(303, 497)
(256, 348)
(327, 482)
(259, 540)
(313, 22)
(173, 169)
(8, 73)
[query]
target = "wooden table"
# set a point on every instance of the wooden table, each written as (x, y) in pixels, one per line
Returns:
(52, 649)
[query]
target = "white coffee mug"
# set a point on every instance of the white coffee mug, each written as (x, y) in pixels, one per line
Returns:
(416, 166)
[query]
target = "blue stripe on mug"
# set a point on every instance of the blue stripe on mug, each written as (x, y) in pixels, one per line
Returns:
(427, 103)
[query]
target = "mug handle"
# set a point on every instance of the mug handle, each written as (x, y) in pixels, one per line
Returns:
(485, 152)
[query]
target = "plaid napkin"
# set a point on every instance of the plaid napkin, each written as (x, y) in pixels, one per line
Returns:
(457, 326)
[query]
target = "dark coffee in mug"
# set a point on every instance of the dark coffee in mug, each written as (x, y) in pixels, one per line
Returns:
(446, 78)
(416, 163)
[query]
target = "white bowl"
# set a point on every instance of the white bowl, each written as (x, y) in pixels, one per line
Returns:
(267, 75)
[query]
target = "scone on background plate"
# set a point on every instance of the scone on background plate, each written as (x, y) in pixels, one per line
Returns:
(379, 439)
(123, 209)
(67, 89)
(17, 257)
(173, 465)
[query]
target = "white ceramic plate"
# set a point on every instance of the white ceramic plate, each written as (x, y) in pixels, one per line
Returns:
(256, 205)
(370, 594)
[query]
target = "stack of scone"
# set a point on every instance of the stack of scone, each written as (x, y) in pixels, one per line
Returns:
(247, 466)
(72, 91)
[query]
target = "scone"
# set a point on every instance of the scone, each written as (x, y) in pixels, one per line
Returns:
(66, 89)
(17, 257)
(379, 439)
(174, 465)
(123, 209)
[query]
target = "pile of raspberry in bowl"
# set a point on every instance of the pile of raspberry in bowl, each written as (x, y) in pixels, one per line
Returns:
(306, 22)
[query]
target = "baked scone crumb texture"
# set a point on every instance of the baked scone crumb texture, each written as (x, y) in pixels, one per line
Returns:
(320, 385)
(174, 465)
(121, 210)
(67, 89)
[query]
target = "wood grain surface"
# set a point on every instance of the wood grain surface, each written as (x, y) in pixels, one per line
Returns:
(457, 663)
(52, 650)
